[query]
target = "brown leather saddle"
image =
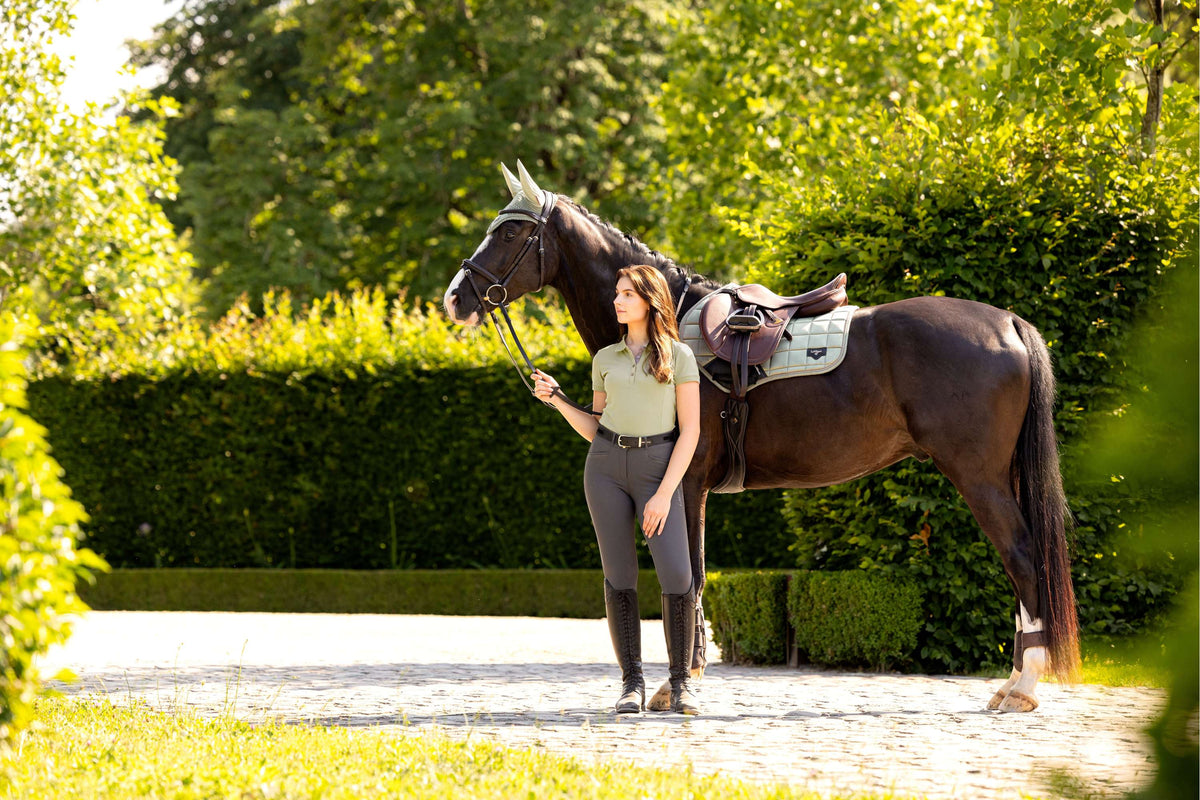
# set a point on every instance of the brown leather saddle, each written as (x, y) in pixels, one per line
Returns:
(755, 316)
(744, 325)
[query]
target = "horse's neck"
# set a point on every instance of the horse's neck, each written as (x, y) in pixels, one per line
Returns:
(590, 256)
(586, 276)
(594, 319)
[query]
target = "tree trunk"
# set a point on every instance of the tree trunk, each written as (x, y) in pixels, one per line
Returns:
(1154, 87)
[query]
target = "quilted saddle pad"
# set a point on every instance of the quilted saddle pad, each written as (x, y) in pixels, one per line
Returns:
(817, 345)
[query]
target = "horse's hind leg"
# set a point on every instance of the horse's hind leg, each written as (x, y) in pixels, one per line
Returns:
(999, 515)
(1014, 676)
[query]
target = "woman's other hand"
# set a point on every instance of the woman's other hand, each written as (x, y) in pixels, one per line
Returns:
(543, 386)
(655, 515)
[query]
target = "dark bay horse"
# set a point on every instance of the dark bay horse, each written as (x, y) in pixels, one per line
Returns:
(965, 384)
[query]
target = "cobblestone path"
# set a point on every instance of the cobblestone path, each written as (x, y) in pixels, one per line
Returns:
(549, 683)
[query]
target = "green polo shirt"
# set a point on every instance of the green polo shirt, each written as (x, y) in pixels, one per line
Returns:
(637, 404)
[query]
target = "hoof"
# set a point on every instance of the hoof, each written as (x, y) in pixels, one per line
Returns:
(661, 701)
(996, 700)
(1019, 701)
(697, 672)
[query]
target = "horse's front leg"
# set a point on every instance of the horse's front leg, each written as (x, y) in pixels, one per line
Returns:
(694, 498)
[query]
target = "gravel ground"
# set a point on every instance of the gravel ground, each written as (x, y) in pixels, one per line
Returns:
(549, 683)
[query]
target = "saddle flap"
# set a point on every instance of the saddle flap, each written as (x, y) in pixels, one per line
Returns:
(720, 336)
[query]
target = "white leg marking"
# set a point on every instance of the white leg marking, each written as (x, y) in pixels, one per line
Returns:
(1024, 623)
(1022, 694)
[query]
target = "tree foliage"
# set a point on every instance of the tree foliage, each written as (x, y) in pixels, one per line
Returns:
(789, 89)
(83, 241)
(40, 563)
(1145, 447)
(332, 145)
(780, 88)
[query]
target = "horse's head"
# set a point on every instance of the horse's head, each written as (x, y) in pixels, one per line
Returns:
(511, 259)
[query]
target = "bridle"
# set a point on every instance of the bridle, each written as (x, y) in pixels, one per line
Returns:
(499, 283)
(469, 267)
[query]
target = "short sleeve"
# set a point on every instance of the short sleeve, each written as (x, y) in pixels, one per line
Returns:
(597, 375)
(684, 366)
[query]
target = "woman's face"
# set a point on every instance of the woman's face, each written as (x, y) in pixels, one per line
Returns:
(630, 306)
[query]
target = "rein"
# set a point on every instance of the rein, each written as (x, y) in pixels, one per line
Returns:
(470, 268)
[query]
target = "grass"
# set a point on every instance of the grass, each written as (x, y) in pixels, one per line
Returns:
(1115, 661)
(1125, 661)
(87, 749)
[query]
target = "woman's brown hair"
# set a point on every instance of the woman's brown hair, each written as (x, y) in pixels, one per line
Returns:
(652, 287)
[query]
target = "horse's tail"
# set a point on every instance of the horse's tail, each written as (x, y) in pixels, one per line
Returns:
(1038, 481)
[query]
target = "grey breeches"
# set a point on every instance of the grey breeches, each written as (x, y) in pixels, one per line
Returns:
(618, 483)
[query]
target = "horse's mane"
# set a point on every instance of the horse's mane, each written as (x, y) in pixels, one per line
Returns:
(641, 252)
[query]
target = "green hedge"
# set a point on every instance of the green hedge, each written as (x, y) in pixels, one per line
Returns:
(342, 437)
(448, 469)
(851, 618)
(748, 612)
(854, 618)
(40, 563)
(469, 592)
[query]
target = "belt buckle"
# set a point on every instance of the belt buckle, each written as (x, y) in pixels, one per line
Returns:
(623, 446)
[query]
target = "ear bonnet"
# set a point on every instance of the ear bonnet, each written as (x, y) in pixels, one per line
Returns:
(526, 196)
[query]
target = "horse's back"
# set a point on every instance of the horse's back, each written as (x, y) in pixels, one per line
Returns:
(946, 318)
(930, 338)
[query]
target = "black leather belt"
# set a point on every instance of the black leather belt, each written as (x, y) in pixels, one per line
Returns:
(627, 441)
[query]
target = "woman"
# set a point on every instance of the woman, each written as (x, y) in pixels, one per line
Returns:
(642, 386)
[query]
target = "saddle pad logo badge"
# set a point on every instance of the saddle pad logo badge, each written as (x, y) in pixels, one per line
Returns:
(816, 352)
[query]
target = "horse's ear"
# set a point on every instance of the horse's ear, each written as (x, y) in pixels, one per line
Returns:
(527, 184)
(514, 183)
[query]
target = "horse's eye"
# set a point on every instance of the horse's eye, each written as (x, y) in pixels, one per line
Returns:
(509, 235)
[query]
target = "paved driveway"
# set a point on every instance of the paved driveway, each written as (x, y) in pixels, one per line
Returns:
(549, 683)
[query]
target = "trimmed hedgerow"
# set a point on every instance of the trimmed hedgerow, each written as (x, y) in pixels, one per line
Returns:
(854, 618)
(748, 611)
(851, 618)
(577, 593)
(39, 561)
(352, 435)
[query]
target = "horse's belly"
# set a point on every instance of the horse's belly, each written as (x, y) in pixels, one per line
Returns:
(826, 429)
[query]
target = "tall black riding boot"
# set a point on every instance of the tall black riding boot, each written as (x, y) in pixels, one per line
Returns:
(679, 625)
(625, 627)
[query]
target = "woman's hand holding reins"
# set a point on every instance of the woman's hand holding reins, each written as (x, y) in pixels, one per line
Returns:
(543, 386)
